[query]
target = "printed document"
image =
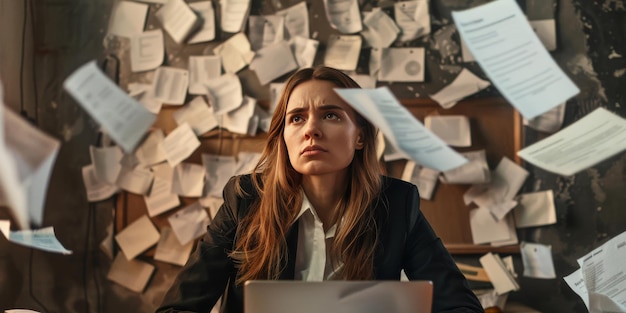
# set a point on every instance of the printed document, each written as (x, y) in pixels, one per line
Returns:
(412, 18)
(97, 190)
(33, 154)
(296, 20)
(180, 144)
(595, 137)
(342, 52)
(146, 50)
(381, 30)
(178, 19)
(124, 119)
(273, 61)
(151, 150)
(465, 84)
(41, 239)
(170, 85)
(207, 33)
(515, 60)
(128, 19)
(198, 115)
(401, 128)
(203, 68)
(235, 53)
(170, 250)
(603, 277)
(189, 223)
(131, 274)
(161, 198)
(343, 15)
(234, 13)
(225, 93)
(137, 237)
(188, 180)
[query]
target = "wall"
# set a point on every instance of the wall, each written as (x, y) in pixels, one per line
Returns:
(60, 35)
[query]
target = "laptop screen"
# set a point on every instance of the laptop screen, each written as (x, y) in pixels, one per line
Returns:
(272, 296)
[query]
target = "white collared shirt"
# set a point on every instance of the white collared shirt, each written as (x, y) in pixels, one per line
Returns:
(313, 246)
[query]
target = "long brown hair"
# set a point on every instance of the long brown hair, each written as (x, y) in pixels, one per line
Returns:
(261, 249)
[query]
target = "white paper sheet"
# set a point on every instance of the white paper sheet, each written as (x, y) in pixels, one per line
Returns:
(144, 94)
(537, 260)
(213, 204)
(296, 20)
(233, 14)
(365, 81)
(137, 237)
(135, 180)
(381, 30)
(177, 19)
(485, 228)
(128, 19)
(170, 250)
(401, 128)
(515, 60)
(500, 277)
(188, 180)
(276, 89)
(219, 169)
(498, 194)
(402, 65)
(180, 144)
(161, 198)
(225, 93)
(151, 150)
(423, 177)
(304, 50)
(273, 61)
(465, 84)
(124, 119)
(41, 239)
(146, 50)
(170, 85)
(33, 154)
(577, 283)
(413, 18)
(131, 274)
(265, 30)
(549, 122)
(603, 273)
(535, 209)
(342, 52)
(343, 15)
(513, 240)
(198, 115)
(203, 68)
(189, 223)
(235, 53)
(106, 161)
(476, 171)
(452, 129)
(246, 161)
(597, 136)
(96, 189)
(237, 120)
(207, 32)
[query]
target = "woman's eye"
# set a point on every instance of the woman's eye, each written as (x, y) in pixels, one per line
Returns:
(296, 119)
(331, 115)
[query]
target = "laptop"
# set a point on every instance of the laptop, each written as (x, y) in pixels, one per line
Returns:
(285, 296)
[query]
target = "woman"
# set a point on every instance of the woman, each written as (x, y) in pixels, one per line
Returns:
(316, 208)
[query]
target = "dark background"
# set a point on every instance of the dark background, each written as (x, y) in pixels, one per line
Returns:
(43, 41)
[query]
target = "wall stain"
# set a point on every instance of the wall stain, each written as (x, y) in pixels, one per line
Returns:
(596, 185)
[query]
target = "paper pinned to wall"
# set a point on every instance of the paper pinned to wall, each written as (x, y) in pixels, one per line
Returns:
(178, 19)
(343, 15)
(146, 50)
(128, 19)
(207, 32)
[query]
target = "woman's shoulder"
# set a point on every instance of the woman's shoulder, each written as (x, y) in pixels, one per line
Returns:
(391, 184)
(243, 185)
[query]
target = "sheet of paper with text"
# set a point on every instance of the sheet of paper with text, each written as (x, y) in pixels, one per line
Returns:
(508, 50)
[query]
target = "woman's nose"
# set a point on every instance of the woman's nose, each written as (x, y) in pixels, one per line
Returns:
(313, 129)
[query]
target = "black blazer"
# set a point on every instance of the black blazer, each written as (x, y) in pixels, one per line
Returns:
(406, 242)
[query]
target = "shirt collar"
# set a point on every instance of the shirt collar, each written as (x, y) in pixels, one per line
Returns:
(307, 206)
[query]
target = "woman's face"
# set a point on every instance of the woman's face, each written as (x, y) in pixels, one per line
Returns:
(321, 133)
